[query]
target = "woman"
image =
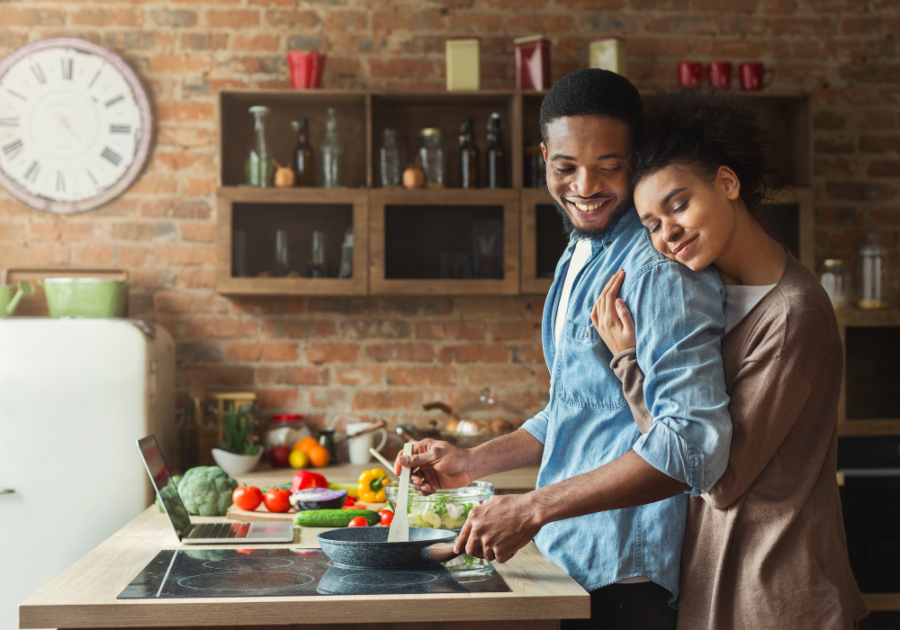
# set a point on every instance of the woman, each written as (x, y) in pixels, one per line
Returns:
(765, 547)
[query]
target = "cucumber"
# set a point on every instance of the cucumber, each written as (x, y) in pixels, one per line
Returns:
(333, 518)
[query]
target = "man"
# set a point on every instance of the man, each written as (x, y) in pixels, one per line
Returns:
(611, 504)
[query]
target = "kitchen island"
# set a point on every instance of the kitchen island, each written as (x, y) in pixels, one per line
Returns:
(84, 596)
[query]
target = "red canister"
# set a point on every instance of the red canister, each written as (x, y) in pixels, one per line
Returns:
(532, 63)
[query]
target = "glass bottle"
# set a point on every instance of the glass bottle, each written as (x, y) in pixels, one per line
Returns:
(316, 265)
(496, 163)
(282, 254)
(332, 154)
(390, 159)
(431, 156)
(468, 156)
(346, 268)
(190, 440)
(303, 156)
(873, 263)
(258, 168)
(835, 282)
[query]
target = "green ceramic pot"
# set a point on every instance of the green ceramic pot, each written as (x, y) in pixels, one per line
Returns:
(9, 297)
(85, 297)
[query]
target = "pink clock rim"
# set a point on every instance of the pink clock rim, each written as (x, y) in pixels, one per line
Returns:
(143, 150)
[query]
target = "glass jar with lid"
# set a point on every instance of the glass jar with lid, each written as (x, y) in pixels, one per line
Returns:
(873, 269)
(285, 429)
(836, 282)
(431, 156)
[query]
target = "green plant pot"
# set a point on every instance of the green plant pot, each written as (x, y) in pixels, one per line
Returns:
(85, 297)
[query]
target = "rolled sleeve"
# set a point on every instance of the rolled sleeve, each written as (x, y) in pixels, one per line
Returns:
(537, 426)
(679, 324)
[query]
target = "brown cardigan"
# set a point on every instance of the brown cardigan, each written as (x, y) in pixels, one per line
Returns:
(765, 547)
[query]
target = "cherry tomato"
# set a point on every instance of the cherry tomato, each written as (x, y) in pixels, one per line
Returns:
(277, 500)
(278, 456)
(386, 517)
(359, 521)
(247, 497)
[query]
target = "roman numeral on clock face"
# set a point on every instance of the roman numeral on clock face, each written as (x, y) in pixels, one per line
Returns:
(111, 156)
(66, 69)
(9, 122)
(32, 172)
(120, 129)
(114, 100)
(39, 74)
(60, 182)
(12, 149)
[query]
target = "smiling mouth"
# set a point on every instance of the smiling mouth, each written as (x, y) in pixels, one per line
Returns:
(592, 209)
(682, 249)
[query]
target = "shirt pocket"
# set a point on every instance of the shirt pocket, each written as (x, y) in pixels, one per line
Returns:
(583, 376)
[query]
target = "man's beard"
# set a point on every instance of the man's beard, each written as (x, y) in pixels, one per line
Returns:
(593, 233)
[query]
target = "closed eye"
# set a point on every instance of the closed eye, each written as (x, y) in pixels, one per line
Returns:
(680, 208)
(653, 227)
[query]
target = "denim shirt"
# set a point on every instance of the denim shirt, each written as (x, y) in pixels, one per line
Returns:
(587, 423)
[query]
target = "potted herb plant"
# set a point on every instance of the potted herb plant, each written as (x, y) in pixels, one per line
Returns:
(237, 454)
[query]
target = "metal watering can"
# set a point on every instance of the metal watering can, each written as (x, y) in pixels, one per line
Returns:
(8, 301)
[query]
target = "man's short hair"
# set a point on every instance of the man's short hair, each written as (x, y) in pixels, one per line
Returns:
(593, 92)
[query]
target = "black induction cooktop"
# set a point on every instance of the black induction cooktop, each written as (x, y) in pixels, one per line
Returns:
(293, 572)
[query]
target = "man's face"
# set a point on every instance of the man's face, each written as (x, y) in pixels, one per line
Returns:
(587, 171)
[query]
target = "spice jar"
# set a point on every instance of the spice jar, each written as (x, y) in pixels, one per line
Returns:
(873, 265)
(431, 157)
(285, 429)
(836, 282)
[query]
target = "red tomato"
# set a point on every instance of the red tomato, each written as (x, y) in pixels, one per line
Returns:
(246, 550)
(354, 507)
(359, 521)
(277, 500)
(278, 456)
(386, 517)
(247, 497)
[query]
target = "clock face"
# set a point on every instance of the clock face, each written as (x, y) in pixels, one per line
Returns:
(74, 125)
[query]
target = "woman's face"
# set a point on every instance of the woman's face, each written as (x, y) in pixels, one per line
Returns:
(691, 219)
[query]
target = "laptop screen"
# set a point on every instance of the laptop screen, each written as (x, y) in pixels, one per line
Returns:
(162, 481)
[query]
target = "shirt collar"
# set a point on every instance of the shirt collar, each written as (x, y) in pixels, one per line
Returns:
(597, 244)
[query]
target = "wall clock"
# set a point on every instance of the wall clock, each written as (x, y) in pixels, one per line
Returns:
(75, 125)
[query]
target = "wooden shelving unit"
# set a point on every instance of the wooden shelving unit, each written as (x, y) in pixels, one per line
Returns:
(531, 230)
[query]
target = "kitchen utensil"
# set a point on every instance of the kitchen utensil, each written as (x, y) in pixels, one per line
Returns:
(85, 297)
(445, 509)
(359, 442)
(720, 74)
(371, 548)
(386, 463)
(400, 524)
(755, 76)
(306, 69)
(9, 299)
(690, 74)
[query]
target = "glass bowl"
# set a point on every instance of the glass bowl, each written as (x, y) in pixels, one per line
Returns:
(445, 509)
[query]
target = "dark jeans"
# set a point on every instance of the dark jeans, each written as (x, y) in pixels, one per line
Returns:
(642, 606)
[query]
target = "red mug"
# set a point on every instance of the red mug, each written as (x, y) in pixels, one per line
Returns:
(753, 76)
(306, 69)
(690, 74)
(720, 74)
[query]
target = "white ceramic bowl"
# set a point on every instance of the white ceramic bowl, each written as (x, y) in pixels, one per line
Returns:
(234, 464)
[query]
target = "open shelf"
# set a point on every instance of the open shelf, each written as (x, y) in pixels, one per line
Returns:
(543, 241)
(444, 242)
(258, 213)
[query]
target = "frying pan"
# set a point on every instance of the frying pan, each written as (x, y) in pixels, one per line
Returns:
(368, 548)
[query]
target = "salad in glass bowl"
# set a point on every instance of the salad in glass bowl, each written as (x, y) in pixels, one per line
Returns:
(446, 509)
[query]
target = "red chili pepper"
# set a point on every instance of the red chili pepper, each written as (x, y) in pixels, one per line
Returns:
(349, 502)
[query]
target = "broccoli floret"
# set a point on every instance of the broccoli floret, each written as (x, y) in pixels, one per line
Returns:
(206, 491)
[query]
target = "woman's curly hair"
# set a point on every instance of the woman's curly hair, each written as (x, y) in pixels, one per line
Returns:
(707, 129)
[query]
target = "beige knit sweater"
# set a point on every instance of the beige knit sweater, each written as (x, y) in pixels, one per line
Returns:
(765, 547)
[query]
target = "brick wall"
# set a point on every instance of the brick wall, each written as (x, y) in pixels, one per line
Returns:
(384, 357)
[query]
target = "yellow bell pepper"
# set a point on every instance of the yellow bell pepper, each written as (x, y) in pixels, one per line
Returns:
(371, 486)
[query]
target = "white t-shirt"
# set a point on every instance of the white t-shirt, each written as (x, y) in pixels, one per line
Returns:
(579, 259)
(740, 299)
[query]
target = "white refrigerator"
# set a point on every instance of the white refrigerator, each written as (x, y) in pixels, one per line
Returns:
(75, 394)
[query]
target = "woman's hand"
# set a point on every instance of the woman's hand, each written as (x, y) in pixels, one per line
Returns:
(611, 317)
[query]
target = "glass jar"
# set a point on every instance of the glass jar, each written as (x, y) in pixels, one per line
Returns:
(873, 267)
(431, 156)
(258, 168)
(285, 429)
(390, 159)
(282, 254)
(836, 282)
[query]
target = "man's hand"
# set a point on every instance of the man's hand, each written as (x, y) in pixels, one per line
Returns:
(499, 528)
(436, 465)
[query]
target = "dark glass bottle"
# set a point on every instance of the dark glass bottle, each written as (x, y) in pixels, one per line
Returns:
(468, 156)
(303, 156)
(496, 162)
(190, 440)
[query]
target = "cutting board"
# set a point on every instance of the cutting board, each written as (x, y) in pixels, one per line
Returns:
(261, 514)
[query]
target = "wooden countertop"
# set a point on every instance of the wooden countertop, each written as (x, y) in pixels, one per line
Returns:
(514, 480)
(84, 596)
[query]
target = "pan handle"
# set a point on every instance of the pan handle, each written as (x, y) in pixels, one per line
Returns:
(439, 552)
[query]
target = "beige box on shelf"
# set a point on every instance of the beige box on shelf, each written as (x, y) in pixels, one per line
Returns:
(463, 56)
(608, 53)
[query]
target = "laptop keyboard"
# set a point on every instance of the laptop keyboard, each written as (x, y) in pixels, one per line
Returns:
(219, 530)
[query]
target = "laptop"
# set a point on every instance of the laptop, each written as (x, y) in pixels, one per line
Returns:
(209, 532)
